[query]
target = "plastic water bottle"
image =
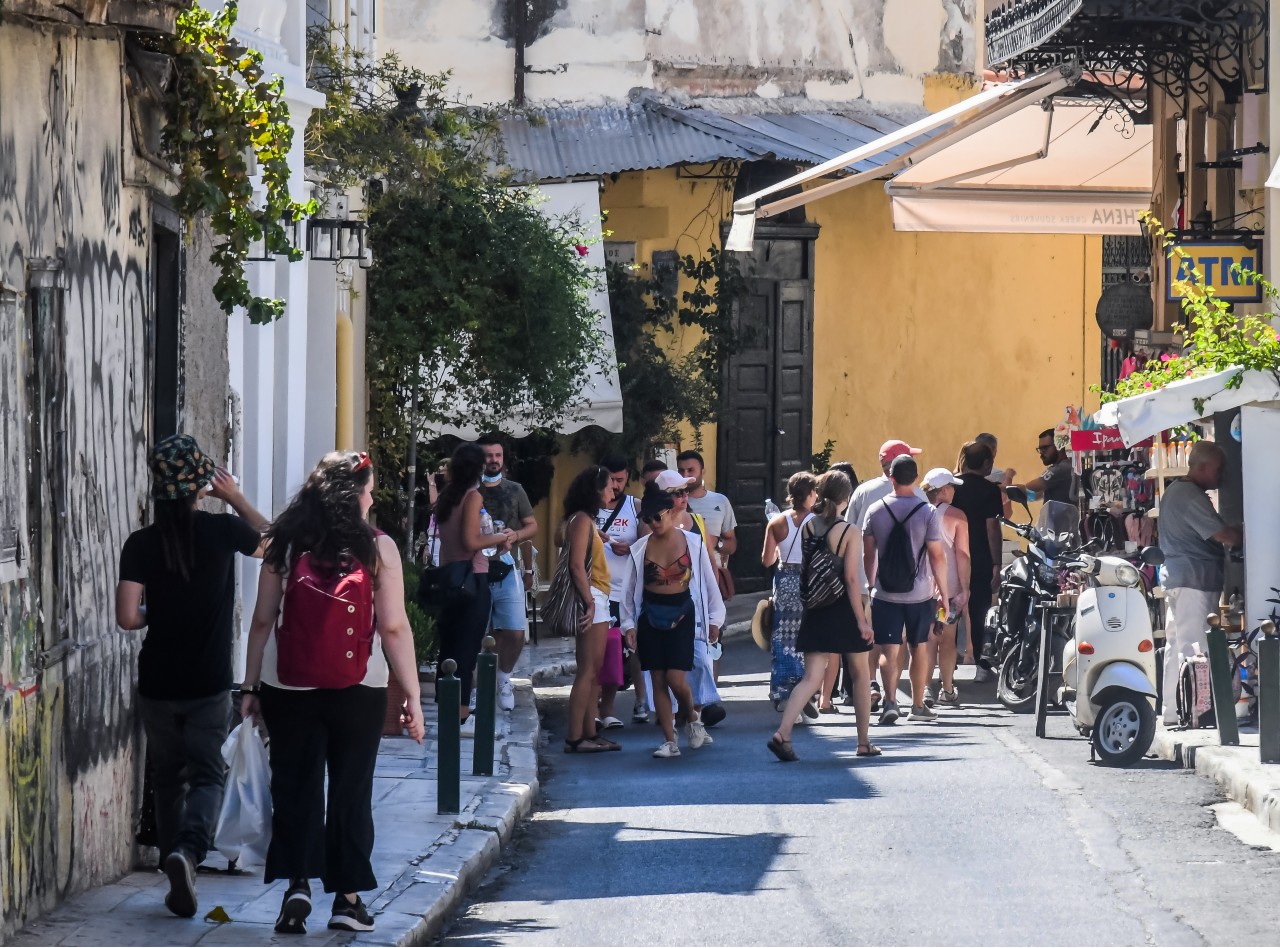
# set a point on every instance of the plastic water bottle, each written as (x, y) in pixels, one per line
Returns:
(486, 526)
(770, 509)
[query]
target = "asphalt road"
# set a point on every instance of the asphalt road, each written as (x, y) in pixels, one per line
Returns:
(967, 832)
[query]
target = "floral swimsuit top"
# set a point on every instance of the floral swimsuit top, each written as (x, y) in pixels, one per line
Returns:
(677, 573)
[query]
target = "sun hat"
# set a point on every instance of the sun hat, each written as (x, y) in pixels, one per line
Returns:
(179, 468)
(670, 480)
(892, 449)
(762, 623)
(939, 477)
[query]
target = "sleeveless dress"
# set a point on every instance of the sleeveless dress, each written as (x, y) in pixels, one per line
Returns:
(832, 628)
(787, 667)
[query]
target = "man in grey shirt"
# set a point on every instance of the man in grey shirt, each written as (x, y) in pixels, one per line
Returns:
(1192, 536)
(913, 610)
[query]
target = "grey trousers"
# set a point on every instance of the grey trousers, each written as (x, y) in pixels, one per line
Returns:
(184, 739)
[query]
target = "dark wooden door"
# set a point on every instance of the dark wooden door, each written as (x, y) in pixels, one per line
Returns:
(766, 421)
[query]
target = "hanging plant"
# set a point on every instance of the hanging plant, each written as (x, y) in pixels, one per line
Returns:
(221, 108)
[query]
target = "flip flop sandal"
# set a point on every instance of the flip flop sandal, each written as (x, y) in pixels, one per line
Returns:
(871, 751)
(782, 749)
(610, 723)
(583, 745)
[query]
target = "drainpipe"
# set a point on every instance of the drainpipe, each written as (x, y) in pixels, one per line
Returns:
(521, 25)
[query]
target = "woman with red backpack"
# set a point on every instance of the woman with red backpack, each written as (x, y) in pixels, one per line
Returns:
(328, 628)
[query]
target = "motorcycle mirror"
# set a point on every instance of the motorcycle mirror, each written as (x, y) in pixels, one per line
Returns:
(1018, 496)
(1152, 555)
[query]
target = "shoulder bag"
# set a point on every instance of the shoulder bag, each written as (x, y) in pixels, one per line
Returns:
(822, 573)
(563, 610)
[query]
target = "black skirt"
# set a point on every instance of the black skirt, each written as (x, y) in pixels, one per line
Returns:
(832, 628)
(666, 649)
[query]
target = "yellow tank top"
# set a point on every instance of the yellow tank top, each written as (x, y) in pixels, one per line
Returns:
(599, 565)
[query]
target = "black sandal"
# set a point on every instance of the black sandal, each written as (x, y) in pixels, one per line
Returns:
(782, 749)
(871, 750)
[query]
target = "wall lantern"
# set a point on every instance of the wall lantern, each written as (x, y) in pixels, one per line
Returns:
(258, 252)
(333, 239)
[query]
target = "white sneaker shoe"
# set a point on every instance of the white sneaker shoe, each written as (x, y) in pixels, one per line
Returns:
(668, 749)
(506, 693)
(698, 735)
(468, 728)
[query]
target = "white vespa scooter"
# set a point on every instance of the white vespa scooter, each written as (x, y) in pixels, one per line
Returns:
(1109, 667)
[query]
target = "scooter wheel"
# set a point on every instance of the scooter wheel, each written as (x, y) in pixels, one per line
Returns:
(1124, 729)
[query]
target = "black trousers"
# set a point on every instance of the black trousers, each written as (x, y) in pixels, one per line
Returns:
(184, 740)
(462, 627)
(980, 598)
(310, 730)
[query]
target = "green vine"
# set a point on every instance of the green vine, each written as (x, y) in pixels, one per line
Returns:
(662, 386)
(1216, 338)
(222, 109)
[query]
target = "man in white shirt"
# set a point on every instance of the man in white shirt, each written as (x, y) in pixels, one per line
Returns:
(619, 527)
(865, 496)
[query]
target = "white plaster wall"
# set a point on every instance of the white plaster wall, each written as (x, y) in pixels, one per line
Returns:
(1259, 434)
(320, 423)
(597, 50)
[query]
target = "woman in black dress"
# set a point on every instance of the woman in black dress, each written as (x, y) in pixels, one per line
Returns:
(840, 627)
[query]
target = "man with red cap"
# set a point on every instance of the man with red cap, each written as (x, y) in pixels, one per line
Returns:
(865, 496)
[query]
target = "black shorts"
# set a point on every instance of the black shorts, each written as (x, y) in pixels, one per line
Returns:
(889, 619)
(665, 649)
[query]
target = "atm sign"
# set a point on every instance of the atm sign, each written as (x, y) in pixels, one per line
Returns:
(1215, 262)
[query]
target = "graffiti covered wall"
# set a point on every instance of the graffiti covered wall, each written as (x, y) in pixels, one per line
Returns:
(75, 213)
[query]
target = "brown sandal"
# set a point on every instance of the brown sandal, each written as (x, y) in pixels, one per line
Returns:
(871, 750)
(782, 749)
(583, 745)
(604, 743)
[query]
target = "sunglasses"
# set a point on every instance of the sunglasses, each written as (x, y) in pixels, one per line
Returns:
(679, 492)
(653, 518)
(360, 460)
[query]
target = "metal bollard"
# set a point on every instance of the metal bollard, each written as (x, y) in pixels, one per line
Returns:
(1269, 695)
(448, 771)
(1042, 672)
(486, 700)
(1224, 702)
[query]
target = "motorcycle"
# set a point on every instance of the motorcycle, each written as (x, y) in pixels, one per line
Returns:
(1029, 589)
(1109, 666)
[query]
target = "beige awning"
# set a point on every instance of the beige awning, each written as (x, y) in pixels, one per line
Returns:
(998, 161)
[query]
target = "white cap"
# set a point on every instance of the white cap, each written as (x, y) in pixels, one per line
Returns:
(939, 477)
(670, 480)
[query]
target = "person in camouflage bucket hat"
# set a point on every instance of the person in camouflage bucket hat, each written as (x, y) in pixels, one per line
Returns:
(179, 468)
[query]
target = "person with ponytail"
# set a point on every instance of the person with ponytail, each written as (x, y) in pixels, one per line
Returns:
(840, 625)
(325, 569)
(782, 550)
(177, 580)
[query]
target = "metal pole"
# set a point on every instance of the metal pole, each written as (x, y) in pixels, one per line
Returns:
(448, 770)
(1224, 702)
(1042, 673)
(486, 695)
(413, 467)
(1269, 695)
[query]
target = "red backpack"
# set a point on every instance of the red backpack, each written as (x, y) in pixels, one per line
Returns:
(325, 633)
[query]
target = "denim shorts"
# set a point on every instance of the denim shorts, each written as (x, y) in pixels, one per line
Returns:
(889, 619)
(508, 609)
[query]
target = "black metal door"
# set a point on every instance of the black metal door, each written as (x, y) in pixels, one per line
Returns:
(766, 423)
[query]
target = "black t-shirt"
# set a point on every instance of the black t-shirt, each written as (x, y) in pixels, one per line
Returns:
(187, 651)
(979, 500)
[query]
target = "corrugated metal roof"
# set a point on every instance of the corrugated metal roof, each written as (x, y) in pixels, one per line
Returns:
(565, 142)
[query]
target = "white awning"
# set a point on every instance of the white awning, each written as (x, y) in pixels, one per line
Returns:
(980, 151)
(1142, 416)
(1056, 169)
(578, 200)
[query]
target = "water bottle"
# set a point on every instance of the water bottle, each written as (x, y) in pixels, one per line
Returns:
(486, 527)
(770, 509)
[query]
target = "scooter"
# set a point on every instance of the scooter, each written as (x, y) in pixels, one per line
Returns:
(1109, 667)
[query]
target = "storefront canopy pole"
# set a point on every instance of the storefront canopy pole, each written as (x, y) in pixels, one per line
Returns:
(966, 117)
(1008, 163)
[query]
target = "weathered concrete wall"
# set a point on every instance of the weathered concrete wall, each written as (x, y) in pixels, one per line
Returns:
(596, 50)
(71, 188)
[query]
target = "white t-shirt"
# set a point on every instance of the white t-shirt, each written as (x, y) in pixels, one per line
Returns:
(624, 529)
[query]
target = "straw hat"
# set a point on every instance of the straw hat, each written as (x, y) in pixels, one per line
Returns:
(762, 623)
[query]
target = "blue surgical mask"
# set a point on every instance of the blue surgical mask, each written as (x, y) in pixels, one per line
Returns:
(490, 478)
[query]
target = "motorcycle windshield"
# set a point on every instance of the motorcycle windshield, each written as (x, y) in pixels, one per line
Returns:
(1058, 526)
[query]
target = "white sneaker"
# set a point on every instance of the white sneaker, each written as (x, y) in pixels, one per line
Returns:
(506, 693)
(698, 735)
(668, 749)
(468, 728)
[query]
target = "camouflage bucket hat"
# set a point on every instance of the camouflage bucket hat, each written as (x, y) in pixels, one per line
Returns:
(179, 468)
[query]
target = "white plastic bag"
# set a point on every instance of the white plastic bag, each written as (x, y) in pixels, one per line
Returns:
(244, 826)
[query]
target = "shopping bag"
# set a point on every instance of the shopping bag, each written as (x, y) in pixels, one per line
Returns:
(244, 825)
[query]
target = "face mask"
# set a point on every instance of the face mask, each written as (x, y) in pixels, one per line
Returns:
(490, 478)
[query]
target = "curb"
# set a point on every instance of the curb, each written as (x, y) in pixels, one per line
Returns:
(424, 897)
(545, 673)
(1253, 785)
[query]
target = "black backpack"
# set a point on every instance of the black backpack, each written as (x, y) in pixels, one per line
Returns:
(899, 565)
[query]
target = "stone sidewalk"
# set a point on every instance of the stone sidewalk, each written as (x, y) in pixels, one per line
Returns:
(425, 862)
(1237, 770)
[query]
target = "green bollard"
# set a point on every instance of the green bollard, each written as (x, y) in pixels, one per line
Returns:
(1224, 701)
(449, 764)
(486, 700)
(1042, 672)
(1268, 686)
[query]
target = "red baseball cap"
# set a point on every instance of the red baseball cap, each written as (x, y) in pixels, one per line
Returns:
(892, 449)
